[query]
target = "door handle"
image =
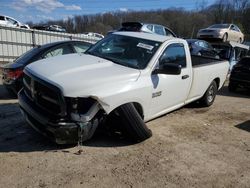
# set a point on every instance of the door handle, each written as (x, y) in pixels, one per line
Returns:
(184, 77)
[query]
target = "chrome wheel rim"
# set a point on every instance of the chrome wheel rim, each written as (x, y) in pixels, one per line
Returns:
(211, 93)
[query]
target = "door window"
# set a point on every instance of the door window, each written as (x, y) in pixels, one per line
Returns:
(168, 33)
(61, 50)
(201, 44)
(12, 21)
(174, 53)
(150, 27)
(159, 30)
(236, 28)
(81, 47)
(233, 28)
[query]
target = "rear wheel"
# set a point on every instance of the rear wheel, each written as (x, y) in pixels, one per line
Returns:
(209, 97)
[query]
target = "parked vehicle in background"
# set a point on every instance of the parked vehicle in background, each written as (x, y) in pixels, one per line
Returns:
(248, 44)
(13, 72)
(11, 22)
(41, 27)
(130, 77)
(94, 35)
(231, 51)
(147, 28)
(240, 75)
(202, 48)
(225, 32)
(56, 28)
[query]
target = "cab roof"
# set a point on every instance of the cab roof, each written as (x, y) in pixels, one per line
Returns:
(142, 35)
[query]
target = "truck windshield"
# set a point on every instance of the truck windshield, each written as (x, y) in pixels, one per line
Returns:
(125, 50)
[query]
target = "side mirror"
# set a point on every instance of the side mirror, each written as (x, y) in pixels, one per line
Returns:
(169, 68)
(190, 48)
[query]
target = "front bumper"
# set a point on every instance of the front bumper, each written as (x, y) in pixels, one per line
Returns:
(210, 35)
(61, 131)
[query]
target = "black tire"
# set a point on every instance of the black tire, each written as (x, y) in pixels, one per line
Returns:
(225, 37)
(209, 97)
(232, 86)
(135, 127)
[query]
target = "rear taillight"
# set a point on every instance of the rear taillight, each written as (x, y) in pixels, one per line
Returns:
(14, 74)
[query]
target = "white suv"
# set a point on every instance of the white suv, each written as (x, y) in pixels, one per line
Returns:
(11, 22)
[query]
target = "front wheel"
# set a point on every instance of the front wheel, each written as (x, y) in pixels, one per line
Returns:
(133, 124)
(209, 97)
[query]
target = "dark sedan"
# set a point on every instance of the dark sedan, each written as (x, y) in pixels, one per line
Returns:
(13, 72)
(240, 75)
(202, 48)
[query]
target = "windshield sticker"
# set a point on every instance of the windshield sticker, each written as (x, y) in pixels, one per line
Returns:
(145, 46)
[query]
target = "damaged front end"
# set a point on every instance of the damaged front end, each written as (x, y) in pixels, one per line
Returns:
(63, 119)
(78, 125)
(87, 113)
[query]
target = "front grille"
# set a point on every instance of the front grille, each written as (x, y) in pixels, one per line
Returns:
(207, 36)
(207, 31)
(44, 95)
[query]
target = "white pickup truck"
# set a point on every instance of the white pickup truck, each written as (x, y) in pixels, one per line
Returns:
(134, 77)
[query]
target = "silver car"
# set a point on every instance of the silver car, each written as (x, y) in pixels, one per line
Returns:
(147, 28)
(11, 22)
(225, 32)
(56, 28)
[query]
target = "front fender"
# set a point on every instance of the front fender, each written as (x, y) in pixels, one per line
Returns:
(140, 96)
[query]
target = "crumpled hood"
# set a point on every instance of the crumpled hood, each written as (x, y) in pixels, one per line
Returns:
(79, 75)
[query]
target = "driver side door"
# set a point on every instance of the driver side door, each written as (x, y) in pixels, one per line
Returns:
(170, 91)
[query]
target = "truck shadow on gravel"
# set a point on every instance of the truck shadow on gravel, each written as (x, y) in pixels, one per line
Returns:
(241, 93)
(244, 126)
(17, 136)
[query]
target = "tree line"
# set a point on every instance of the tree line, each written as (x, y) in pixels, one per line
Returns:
(183, 22)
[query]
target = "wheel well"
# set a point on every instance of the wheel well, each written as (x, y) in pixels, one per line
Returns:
(139, 109)
(217, 80)
(137, 105)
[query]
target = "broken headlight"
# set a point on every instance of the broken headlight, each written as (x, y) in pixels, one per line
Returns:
(79, 105)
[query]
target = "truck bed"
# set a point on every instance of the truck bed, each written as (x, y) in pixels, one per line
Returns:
(212, 68)
(203, 61)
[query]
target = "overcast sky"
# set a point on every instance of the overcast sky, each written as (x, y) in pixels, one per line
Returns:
(38, 10)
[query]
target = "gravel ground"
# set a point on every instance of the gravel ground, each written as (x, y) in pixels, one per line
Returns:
(190, 147)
